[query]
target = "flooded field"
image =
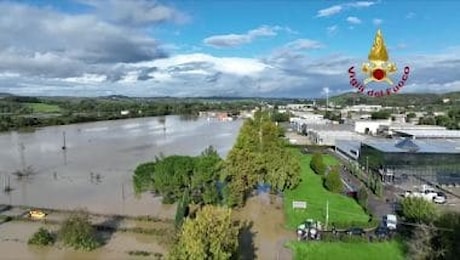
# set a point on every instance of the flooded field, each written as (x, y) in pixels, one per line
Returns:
(95, 169)
(14, 236)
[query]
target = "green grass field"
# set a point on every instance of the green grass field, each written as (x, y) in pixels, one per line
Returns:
(44, 108)
(341, 208)
(342, 250)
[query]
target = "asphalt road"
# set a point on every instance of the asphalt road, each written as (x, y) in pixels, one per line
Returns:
(378, 206)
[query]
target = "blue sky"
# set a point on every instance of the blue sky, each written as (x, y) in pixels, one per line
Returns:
(240, 48)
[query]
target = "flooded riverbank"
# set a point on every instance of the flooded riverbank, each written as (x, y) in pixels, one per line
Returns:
(95, 169)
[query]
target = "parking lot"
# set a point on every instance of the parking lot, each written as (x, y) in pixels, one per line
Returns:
(411, 183)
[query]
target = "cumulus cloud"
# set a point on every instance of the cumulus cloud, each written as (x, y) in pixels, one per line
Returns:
(329, 11)
(135, 12)
(335, 9)
(233, 40)
(353, 20)
(43, 42)
(47, 52)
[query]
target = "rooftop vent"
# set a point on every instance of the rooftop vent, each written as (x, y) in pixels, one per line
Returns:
(407, 144)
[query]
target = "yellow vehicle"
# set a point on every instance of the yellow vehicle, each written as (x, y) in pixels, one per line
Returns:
(37, 214)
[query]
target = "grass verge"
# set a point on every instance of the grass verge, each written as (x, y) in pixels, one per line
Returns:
(44, 108)
(342, 209)
(391, 250)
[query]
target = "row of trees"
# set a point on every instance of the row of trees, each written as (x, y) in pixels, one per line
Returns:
(450, 121)
(258, 156)
(17, 113)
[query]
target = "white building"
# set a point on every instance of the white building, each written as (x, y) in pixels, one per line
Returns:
(390, 129)
(428, 134)
(330, 137)
(124, 112)
(370, 126)
(364, 108)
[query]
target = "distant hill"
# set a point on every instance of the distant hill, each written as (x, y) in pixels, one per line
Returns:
(405, 99)
(4, 94)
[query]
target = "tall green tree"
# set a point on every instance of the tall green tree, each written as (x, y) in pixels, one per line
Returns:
(419, 210)
(259, 155)
(211, 235)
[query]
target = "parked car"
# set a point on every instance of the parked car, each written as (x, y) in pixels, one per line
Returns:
(440, 198)
(355, 231)
(390, 221)
(382, 232)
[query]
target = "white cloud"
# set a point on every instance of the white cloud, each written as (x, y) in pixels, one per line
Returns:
(233, 40)
(410, 15)
(361, 4)
(303, 44)
(292, 73)
(46, 52)
(377, 21)
(135, 12)
(329, 11)
(335, 9)
(331, 30)
(353, 20)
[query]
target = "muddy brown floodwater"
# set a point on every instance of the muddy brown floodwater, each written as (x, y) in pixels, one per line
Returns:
(266, 237)
(95, 170)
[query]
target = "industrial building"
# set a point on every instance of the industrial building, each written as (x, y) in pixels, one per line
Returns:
(389, 130)
(428, 134)
(435, 160)
(329, 133)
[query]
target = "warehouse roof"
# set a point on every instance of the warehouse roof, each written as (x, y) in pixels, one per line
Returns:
(419, 133)
(418, 146)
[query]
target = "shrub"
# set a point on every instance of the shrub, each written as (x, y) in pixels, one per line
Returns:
(78, 233)
(333, 182)
(363, 197)
(41, 238)
(317, 164)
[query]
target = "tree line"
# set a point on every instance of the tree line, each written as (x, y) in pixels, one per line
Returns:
(259, 156)
(16, 112)
(451, 120)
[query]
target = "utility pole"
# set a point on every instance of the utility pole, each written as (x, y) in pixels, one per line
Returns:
(327, 214)
(367, 171)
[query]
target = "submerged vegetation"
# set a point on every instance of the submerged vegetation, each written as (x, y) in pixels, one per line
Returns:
(42, 238)
(77, 232)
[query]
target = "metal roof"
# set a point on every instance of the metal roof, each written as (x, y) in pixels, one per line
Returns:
(423, 133)
(348, 144)
(424, 146)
